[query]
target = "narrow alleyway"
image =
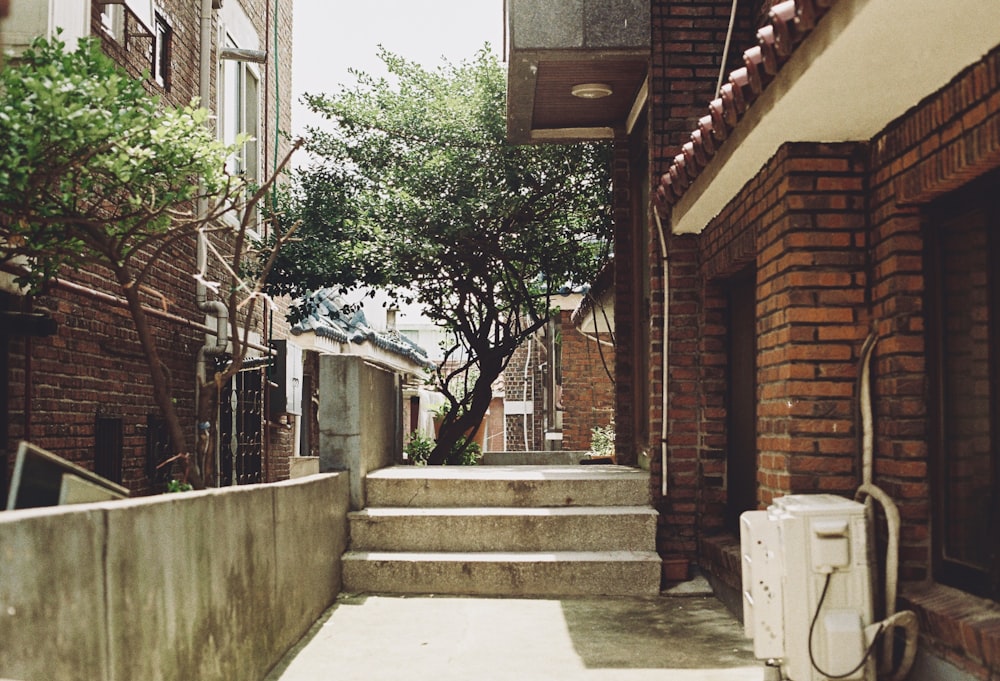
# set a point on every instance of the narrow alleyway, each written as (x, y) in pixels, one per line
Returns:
(380, 638)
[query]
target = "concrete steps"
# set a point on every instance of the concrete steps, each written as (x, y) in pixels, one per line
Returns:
(505, 531)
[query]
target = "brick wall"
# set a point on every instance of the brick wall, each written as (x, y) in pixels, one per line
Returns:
(834, 233)
(587, 388)
(944, 143)
(93, 367)
(686, 59)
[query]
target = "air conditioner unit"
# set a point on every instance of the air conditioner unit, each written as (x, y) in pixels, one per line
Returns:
(286, 379)
(807, 601)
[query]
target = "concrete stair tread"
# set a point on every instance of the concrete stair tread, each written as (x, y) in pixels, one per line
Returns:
(500, 511)
(507, 556)
(507, 486)
(530, 472)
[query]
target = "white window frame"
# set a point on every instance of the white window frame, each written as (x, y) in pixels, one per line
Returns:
(113, 21)
(241, 81)
(162, 39)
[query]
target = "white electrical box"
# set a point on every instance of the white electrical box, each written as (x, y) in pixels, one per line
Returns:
(286, 379)
(802, 546)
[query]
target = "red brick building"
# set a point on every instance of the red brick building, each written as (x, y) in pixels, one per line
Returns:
(797, 182)
(558, 385)
(75, 382)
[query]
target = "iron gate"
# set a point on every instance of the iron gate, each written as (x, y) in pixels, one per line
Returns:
(241, 428)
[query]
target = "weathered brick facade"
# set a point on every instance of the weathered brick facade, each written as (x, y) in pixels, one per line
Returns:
(587, 392)
(832, 237)
(580, 400)
(89, 381)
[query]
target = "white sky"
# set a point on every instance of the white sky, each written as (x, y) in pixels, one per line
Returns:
(331, 36)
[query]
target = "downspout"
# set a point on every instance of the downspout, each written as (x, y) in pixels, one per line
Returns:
(213, 308)
(663, 355)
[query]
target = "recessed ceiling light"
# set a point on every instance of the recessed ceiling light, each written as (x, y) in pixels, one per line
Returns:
(591, 90)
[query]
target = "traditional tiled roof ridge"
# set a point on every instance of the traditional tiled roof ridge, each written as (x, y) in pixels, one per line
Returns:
(789, 22)
(330, 319)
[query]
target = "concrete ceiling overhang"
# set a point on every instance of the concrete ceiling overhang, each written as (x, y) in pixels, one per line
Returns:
(864, 64)
(557, 44)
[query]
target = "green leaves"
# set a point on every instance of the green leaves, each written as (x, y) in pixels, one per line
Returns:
(92, 165)
(415, 186)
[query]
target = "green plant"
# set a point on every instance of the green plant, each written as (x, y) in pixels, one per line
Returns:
(94, 171)
(464, 453)
(417, 187)
(602, 440)
(441, 410)
(178, 486)
(417, 448)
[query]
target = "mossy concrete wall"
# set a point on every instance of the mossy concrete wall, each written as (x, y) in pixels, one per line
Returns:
(212, 585)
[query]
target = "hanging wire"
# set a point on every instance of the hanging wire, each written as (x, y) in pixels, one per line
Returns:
(725, 50)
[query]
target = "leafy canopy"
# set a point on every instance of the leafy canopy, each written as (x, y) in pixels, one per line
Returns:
(414, 185)
(91, 165)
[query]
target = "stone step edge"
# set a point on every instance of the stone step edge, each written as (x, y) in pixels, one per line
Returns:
(510, 474)
(506, 556)
(502, 511)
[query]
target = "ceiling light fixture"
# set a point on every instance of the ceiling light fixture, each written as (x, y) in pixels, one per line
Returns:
(591, 90)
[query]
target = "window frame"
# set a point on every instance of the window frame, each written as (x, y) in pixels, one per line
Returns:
(247, 92)
(163, 34)
(113, 20)
(980, 196)
(247, 110)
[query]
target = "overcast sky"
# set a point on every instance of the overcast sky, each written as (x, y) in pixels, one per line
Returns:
(331, 36)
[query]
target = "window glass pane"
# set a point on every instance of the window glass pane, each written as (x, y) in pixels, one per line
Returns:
(250, 123)
(232, 106)
(965, 317)
(161, 53)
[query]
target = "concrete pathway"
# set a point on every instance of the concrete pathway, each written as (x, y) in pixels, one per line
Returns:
(685, 637)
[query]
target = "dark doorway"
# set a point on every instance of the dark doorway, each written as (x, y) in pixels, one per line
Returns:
(741, 398)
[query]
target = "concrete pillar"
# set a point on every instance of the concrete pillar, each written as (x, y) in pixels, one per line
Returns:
(360, 419)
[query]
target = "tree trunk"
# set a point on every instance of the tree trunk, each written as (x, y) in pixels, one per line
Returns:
(161, 384)
(468, 417)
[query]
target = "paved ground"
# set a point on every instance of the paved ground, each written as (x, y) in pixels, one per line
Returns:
(684, 637)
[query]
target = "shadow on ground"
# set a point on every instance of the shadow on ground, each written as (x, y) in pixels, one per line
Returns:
(371, 637)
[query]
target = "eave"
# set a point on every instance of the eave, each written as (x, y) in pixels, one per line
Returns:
(843, 78)
(555, 45)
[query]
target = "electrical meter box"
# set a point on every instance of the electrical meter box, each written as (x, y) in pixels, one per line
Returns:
(286, 379)
(807, 586)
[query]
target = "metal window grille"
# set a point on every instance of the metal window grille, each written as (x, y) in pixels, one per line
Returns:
(241, 428)
(158, 448)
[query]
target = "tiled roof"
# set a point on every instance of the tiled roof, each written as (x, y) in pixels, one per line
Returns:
(788, 23)
(329, 319)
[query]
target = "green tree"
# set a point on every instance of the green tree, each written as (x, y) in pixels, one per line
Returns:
(96, 171)
(415, 186)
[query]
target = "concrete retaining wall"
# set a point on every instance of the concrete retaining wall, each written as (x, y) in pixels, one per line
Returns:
(212, 585)
(360, 419)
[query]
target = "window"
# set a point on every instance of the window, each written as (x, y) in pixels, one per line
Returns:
(158, 449)
(964, 306)
(108, 447)
(113, 20)
(162, 36)
(239, 113)
(123, 19)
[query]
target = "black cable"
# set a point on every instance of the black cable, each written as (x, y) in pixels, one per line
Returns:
(812, 626)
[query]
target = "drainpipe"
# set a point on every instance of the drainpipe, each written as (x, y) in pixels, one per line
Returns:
(213, 308)
(663, 355)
